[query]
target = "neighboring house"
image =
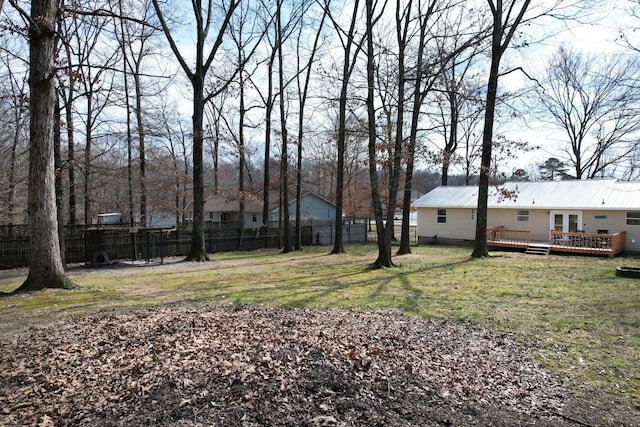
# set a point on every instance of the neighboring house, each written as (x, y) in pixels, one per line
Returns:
(224, 211)
(312, 205)
(576, 214)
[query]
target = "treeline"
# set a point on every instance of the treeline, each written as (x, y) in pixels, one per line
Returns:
(159, 105)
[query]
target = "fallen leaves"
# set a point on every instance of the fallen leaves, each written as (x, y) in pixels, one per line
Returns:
(245, 366)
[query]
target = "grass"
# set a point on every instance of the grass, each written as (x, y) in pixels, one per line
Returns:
(578, 318)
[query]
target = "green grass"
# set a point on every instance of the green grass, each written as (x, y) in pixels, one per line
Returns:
(577, 317)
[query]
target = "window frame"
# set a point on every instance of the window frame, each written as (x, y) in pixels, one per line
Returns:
(441, 216)
(632, 220)
(523, 215)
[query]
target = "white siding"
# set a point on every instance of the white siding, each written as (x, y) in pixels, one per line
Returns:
(614, 222)
(538, 223)
(459, 224)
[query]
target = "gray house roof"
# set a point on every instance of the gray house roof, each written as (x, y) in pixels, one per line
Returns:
(606, 194)
(225, 203)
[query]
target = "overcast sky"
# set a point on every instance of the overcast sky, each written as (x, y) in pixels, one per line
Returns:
(597, 33)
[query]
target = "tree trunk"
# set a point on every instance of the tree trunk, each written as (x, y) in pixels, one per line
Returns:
(71, 155)
(198, 251)
(384, 232)
(127, 105)
(241, 159)
(502, 34)
(57, 164)
(141, 145)
(87, 165)
(480, 247)
(405, 247)
(284, 166)
(267, 147)
(45, 265)
(338, 246)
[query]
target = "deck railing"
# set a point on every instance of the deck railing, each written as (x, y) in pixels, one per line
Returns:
(500, 236)
(594, 243)
(588, 242)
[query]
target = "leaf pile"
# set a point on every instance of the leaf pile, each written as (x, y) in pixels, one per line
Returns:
(245, 366)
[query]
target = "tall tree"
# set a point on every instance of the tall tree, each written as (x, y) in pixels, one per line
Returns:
(351, 45)
(45, 266)
(66, 87)
(14, 119)
(460, 43)
(94, 67)
(303, 79)
(384, 231)
(425, 11)
(135, 33)
(196, 73)
(507, 16)
(595, 101)
(269, 101)
(244, 32)
(284, 160)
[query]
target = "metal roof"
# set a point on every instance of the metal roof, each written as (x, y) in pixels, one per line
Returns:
(606, 194)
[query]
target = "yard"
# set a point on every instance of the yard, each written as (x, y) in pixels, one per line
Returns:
(263, 338)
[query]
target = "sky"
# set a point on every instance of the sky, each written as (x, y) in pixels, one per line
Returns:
(597, 34)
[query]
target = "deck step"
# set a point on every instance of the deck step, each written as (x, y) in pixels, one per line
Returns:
(538, 250)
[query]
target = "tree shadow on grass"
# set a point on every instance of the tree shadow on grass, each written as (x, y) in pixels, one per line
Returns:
(326, 288)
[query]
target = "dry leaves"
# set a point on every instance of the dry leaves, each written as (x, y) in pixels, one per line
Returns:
(249, 366)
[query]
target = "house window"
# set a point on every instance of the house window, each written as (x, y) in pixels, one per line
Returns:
(474, 214)
(442, 216)
(633, 218)
(255, 218)
(523, 216)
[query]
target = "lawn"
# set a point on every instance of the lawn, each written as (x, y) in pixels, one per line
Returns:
(579, 319)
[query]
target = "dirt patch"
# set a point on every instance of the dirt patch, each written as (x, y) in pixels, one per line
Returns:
(252, 366)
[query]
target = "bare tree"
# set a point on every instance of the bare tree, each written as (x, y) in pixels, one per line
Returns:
(45, 266)
(215, 112)
(245, 32)
(422, 83)
(135, 34)
(14, 119)
(459, 43)
(284, 159)
(268, 100)
(384, 231)
(94, 70)
(470, 133)
(595, 101)
(507, 16)
(204, 16)
(68, 77)
(168, 172)
(303, 79)
(351, 44)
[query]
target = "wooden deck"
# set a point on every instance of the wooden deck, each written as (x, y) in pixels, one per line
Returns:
(584, 243)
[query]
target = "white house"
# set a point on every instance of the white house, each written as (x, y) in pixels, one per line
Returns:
(542, 210)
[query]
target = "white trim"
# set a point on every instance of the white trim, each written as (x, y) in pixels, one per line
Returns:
(565, 220)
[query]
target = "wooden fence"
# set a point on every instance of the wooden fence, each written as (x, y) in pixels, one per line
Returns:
(104, 244)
